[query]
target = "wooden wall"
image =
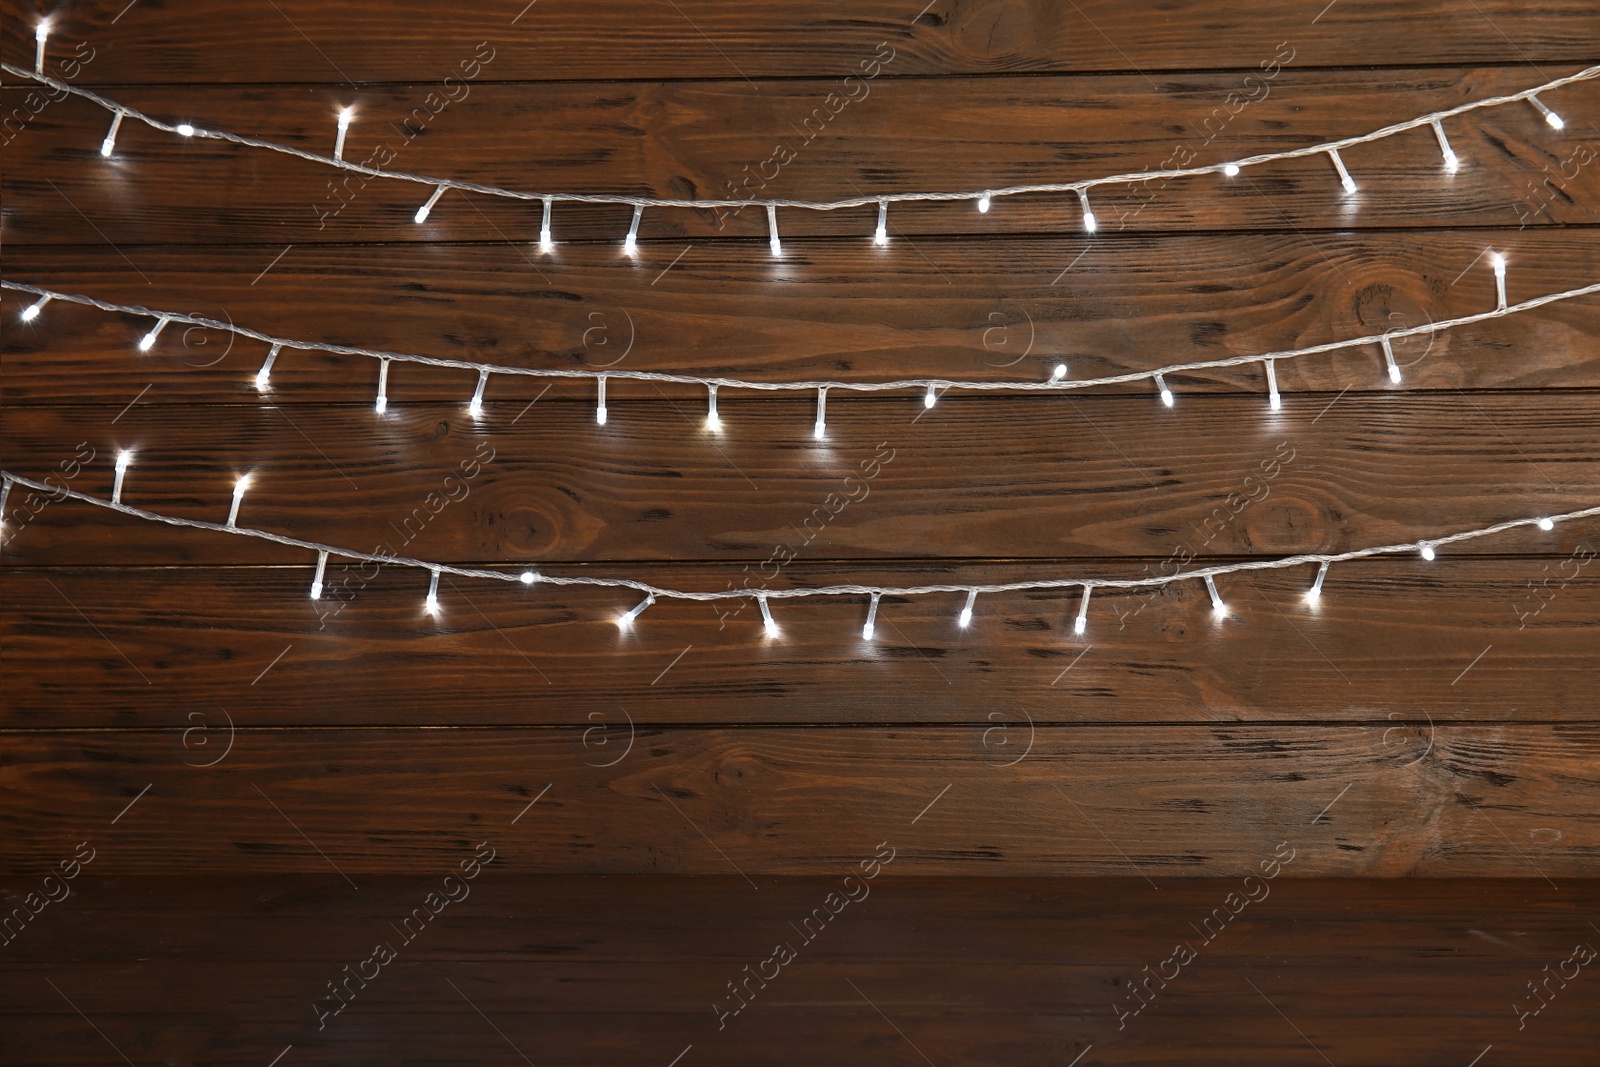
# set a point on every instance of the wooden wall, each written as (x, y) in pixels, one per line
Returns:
(176, 697)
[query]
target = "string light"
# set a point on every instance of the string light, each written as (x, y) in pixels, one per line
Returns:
(383, 386)
(625, 620)
(316, 581)
(872, 616)
(238, 495)
(1388, 358)
(475, 408)
(528, 577)
(1546, 525)
(771, 624)
(630, 246)
(1216, 598)
(344, 126)
(1314, 594)
(1330, 148)
(186, 130)
(713, 420)
(1088, 215)
(930, 398)
(1499, 263)
(546, 243)
(653, 592)
(983, 203)
(1273, 400)
(1081, 623)
(1344, 175)
(772, 230)
(41, 33)
(264, 375)
(1451, 163)
(821, 429)
(148, 341)
(600, 402)
(422, 212)
(1054, 383)
(1166, 394)
(109, 145)
(431, 605)
(123, 459)
(31, 312)
(881, 237)
(1555, 121)
(964, 620)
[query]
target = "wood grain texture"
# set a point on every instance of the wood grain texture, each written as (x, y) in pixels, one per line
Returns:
(186, 41)
(962, 309)
(894, 480)
(1503, 639)
(580, 971)
(804, 140)
(1164, 802)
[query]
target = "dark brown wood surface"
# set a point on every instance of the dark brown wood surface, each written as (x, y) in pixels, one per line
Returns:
(271, 781)
(574, 970)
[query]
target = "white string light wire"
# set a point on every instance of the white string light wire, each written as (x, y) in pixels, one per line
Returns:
(983, 197)
(1208, 575)
(1057, 382)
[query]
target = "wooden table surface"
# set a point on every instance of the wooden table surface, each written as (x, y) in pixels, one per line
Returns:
(266, 780)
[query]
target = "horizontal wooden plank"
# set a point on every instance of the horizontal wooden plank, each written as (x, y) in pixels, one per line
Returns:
(1067, 479)
(589, 967)
(191, 41)
(802, 141)
(1495, 639)
(1164, 802)
(958, 309)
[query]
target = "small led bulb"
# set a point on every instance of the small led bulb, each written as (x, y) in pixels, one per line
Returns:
(528, 577)
(872, 614)
(713, 420)
(123, 459)
(983, 202)
(625, 620)
(31, 312)
(1547, 525)
(238, 495)
(1081, 623)
(1166, 394)
(965, 618)
(1059, 373)
(769, 622)
(1427, 550)
(185, 129)
(431, 605)
(1089, 224)
(148, 341)
(930, 398)
(881, 237)
(1231, 169)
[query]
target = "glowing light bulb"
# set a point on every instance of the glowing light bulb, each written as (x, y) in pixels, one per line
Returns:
(872, 614)
(983, 202)
(1499, 263)
(713, 420)
(820, 430)
(422, 212)
(881, 237)
(1273, 400)
(1344, 175)
(1451, 163)
(1547, 525)
(600, 405)
(930, 398)
(31, 312)
(1081, 623)
(1314, 594)
(475, 408)
(1555, 121)
(1166, 394)
(625, 620)
(546, 243)
(41, 33)
(148, 341)
(1217, 604)
(344, 127)
(109, 145)
(316, 579)
(431, 605)
(185, 130)
(769, 622)
(528, 577)
(264, 375)
(1427, 550)
(123, 459)
(1389, 360)
(238, 495)
(772, 230)
(630, 244)
(1089, 224)
(1231, 169)
(1059, 373)
(964, 620)
(383, 386)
